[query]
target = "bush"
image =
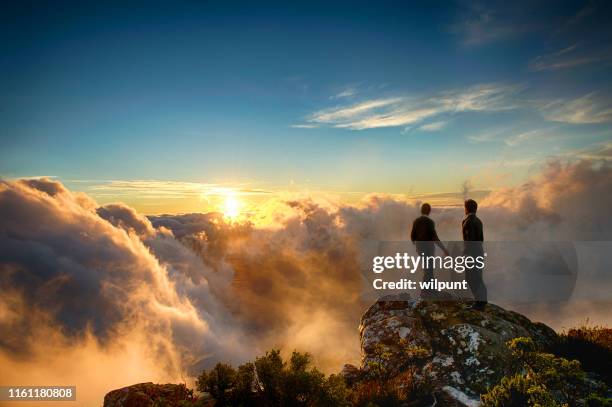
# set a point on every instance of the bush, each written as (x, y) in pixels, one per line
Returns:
(396, 391)
(592, 346)
(595, 400)
(217, 382)
(542, 379)
(518, 391)
(270, 381)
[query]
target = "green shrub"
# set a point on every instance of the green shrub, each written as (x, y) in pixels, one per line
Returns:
(541, 379)
(518, 391)
(270, 381)
(217, 382)
(595, 400)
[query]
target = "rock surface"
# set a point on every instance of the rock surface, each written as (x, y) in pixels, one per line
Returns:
(147, 394)
(457, 350)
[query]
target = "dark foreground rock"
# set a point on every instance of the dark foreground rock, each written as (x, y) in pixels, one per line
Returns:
(457, 350)
(148, 394)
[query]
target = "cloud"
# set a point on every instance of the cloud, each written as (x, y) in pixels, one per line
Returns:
(590, 108)
(536, 134)
(156, 189)
(480, 24)
(482, 97)
(124, 217)
(346, 93)
(338, 115)
(150, 188)
(435, 126)
(304, 126)
(487, 136)
(565, 201)
(596, 152)
(580, 15)
(403, 111)
(569, 57)
(77, 280)
(131, 298)
(602, 151)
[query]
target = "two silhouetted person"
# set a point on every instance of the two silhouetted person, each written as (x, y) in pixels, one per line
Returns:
(473, 236)
(425, 238)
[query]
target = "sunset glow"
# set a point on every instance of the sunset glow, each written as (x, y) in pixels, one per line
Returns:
(214, 203)
(231, 207)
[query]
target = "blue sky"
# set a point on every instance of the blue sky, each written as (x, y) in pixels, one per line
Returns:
(351, 97)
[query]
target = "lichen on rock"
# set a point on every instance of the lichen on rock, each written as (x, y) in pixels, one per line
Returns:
(148, 394)
(446, 343)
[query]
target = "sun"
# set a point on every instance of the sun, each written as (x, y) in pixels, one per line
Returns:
(231, 207)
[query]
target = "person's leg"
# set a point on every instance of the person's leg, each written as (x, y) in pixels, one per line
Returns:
(477, 286)
(469, 277)
(427, 277)
(428, 274)
(428, 271)
(483, 288)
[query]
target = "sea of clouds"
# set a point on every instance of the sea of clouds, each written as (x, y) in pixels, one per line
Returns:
(102, 296)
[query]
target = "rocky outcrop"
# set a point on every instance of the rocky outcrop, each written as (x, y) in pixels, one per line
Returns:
(148, 394)
(457, 350)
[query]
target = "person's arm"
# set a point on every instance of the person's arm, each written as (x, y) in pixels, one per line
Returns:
(437, 240)
(468, 233)
(413, 232)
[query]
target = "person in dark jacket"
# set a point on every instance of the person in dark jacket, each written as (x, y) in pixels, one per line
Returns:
(473, 236)
(424, 237)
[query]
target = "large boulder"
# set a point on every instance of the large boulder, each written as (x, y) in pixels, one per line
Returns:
(457, 350)
(148, 394)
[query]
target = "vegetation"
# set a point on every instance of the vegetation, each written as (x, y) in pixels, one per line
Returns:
(592, 346)
(385, 387)
(270, 381)
(538, 378)
(543, 379)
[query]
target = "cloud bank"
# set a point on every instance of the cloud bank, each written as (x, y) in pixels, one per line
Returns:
(119, 297)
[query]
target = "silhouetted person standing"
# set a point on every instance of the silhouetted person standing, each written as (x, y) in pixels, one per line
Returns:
(473, 237)
(424, 237)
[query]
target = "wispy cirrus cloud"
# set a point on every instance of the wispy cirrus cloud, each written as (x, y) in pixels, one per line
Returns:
(480, 24)
(304, 126)
(601, 151)
(590, 108)
(487, 135)
(435, 126)
(167, 189)
(513, 136)
(347, 92)
(516, 139)
(403, 110)
(346, 113)
(569, 57)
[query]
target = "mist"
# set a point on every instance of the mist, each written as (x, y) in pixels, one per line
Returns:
(102, 296)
